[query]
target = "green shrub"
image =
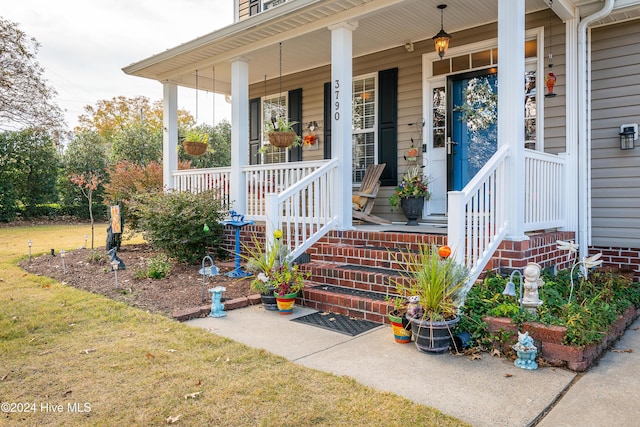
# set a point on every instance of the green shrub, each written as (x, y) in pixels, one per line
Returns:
(174, 223)
(158, 267)
(96, 257)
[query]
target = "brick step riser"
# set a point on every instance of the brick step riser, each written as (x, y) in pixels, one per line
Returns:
(360, 256)
(360, 280)
(349, 305)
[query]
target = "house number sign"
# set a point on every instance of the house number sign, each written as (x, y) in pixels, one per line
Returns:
(336, 90)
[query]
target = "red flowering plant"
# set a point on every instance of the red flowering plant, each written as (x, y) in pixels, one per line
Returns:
(413, 184)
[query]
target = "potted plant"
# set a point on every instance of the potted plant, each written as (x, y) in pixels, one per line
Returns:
(281, 133)
(434, 281)
(276, 275)
(400, 325)
(411, 194)
(195, 142)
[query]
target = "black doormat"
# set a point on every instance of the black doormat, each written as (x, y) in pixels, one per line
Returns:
(351, 326)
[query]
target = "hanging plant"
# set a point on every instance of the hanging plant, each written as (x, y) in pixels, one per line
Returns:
(480, 107)
(195, 142)
(281, 134)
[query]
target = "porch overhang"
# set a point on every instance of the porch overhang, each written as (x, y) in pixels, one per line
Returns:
(302, 27)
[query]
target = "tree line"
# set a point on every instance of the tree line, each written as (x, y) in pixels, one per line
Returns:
(114, 152)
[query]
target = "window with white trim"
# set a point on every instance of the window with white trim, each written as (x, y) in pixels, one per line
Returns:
(364, 125)
(273, 106)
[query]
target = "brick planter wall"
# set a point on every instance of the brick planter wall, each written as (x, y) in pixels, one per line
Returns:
(549, 340)
(625, 260)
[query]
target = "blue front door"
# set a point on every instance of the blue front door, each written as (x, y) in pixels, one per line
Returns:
(473, 124)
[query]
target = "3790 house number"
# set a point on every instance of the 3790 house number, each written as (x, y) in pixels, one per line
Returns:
(336, 90)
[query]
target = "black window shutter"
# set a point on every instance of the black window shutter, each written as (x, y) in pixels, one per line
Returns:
(327, 121)
(295, 115)
(254, 7)
(388, 125)
(254, 131)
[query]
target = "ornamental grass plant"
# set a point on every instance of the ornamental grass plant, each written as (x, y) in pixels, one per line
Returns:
(435, 279)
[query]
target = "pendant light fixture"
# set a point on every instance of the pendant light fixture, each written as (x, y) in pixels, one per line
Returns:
(441, 39)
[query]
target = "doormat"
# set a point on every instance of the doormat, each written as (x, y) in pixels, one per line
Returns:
(351, 326)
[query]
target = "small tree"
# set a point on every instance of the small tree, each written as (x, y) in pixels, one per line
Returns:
(88, 183)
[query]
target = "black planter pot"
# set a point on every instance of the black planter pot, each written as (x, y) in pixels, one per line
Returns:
(412, 208)
(269, 301)
(433, 337)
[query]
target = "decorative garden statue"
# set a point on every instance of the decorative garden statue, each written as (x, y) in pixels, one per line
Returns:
(532, 282)
(114, 258)
(526, 351)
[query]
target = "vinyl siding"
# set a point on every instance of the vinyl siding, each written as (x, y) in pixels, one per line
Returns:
(243, 9)
(615, 174)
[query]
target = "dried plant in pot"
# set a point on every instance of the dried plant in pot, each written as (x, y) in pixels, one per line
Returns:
(433, 283)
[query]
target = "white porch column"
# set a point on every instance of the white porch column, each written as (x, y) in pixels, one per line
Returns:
(169, 133)
(341, 121)
(511, 109)
(239, 132)
(571, 123)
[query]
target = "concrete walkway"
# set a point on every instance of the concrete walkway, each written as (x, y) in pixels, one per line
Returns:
(489, 391)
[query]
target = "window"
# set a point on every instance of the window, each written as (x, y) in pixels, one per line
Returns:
(364, 125)
(272, 107)
(257, 6)
(439, 116)
(530, 109)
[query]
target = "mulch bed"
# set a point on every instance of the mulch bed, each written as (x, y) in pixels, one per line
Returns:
(181, 290)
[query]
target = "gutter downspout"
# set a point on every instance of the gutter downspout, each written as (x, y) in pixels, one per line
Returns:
(584, 138)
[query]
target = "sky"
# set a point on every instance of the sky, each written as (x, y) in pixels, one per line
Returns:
(86, 43)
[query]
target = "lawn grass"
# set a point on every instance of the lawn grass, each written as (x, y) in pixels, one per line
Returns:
(123, 366)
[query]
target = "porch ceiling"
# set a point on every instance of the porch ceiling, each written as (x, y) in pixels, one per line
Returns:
(301, 26)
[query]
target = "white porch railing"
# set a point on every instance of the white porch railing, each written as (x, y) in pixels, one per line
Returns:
(272, 178)
(305, 210)
(477, 221)
(544, 190)
(197, 180)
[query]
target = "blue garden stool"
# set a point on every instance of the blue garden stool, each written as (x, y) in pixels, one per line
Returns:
(237, 221)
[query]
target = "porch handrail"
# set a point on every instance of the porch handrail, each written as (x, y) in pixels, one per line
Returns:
(305, 211)
(272, 178)
(544, 190)
(477, 220)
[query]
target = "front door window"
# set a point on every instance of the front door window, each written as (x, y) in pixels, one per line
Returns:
(474, 130)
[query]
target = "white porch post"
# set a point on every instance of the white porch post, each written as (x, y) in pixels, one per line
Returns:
(169, 133)
(342, 110)
(571, 123)
(511, 109)
(239, 132)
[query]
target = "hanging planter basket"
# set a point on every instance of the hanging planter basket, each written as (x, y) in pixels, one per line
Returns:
(195, 148)
(282, 139)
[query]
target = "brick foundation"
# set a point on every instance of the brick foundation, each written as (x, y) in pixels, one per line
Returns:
(549, 340)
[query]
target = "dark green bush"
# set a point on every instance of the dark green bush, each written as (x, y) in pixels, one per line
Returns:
(174, 223)
(595, 305)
